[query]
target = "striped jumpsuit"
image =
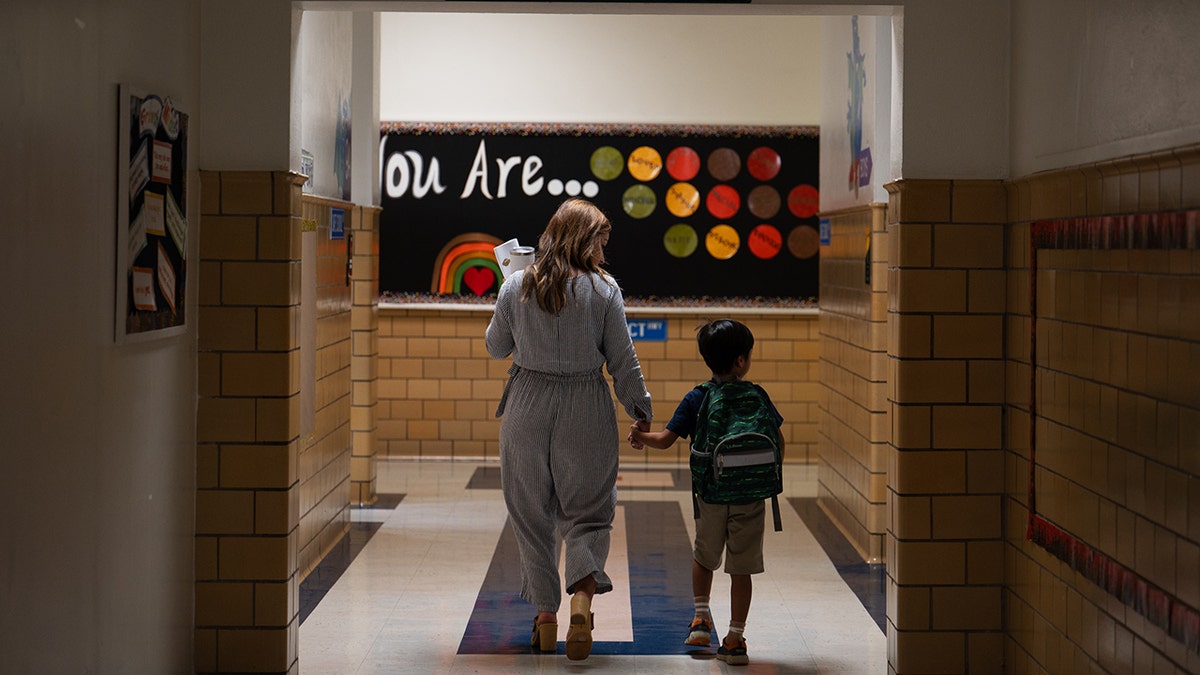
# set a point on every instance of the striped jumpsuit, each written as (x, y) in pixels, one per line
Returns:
(558, 433)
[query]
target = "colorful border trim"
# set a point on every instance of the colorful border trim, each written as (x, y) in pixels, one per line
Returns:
(1170, 231)
(597, 129)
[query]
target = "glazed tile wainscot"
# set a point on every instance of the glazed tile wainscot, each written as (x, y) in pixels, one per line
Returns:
(438, 388)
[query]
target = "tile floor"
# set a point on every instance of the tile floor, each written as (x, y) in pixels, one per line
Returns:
(427, 583)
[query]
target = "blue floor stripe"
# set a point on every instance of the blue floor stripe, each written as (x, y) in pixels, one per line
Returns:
(660, 563)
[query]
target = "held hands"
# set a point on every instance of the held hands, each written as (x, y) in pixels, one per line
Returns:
(639, 426)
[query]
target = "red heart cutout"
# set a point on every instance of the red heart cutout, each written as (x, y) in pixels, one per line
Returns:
(479, 279)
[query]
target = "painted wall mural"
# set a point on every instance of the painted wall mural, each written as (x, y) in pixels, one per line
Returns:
(697, 211)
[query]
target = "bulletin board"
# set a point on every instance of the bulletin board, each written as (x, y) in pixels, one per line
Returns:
(697, 211)
(152, 227)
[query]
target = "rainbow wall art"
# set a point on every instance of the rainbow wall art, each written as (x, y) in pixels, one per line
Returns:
(467, 264)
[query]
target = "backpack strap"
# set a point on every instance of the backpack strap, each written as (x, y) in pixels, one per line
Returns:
(774, 512)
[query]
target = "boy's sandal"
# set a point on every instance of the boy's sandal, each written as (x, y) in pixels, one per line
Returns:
(545, 636)
(579, 633)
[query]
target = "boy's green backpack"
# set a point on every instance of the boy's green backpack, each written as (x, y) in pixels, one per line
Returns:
(735, 457)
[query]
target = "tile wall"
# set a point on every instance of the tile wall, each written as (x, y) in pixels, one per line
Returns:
(1118, 422)
(285, 428)
(854, 426)
(946, 389)
(324, 452)
(248, 422)
(438, 388)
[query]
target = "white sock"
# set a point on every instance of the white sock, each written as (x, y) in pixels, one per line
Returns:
(702, 610)
(736, 629)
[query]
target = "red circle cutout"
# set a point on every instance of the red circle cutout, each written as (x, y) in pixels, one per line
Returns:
(683, 163)
(804, 201)
(723, 201)
(763, 163)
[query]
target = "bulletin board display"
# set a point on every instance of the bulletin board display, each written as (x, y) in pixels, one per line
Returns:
(697, 211)
(152, 206)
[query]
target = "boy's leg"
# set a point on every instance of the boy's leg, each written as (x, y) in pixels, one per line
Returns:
(700, 631)
(741, 589)
(707, 552)
(743, 557)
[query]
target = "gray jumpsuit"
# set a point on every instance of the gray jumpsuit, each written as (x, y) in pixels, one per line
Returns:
(558, 434)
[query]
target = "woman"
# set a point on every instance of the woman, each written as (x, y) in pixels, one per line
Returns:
(562, 319)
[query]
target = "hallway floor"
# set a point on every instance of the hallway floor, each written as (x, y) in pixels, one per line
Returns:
(427, 582)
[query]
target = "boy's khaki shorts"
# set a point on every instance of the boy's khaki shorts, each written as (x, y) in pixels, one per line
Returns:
(733, 530)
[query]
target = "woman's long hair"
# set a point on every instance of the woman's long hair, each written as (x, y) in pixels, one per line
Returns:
(568, 245)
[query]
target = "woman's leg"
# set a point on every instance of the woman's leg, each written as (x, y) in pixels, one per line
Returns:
(583, 461)
(529, 491)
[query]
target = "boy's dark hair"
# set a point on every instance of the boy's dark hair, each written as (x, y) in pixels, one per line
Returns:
(722, 342)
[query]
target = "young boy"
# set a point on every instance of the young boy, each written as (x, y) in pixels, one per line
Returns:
(735, 531)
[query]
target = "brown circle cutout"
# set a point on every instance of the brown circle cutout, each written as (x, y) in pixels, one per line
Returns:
(804, 242)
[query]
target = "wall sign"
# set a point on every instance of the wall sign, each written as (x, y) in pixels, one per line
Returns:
(697, 211)
(647, 330)
(152, 226)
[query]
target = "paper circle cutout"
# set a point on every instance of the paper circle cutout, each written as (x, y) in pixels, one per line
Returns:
(804, 201)
(681, 240)
(763, 163)
(722, 242)
(683, 163)
(804, 242)
(724, 164)
(645, 163)
(723, 201)
(764, 241)
(682, 199)
(763, 201)
(639, 201)
(607, 163)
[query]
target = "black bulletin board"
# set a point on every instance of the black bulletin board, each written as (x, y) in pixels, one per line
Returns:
(754, 191)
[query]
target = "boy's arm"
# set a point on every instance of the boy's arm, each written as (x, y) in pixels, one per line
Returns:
(659, 440)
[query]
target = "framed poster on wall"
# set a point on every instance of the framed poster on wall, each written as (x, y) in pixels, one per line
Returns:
(697, 211)
(152, 228)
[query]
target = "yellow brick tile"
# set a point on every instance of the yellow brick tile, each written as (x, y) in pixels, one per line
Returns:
(227, 238)
(929, 562)
(275, 603)
(968, 336)
(930, 381)
(224, 604)
(276, 512)
(287, 188)
(929, 472)
(226, 328)
(279, 238)
(926, 201)
(972, 246)
(920, 290)
(260, 283)
(255, 650)
(246, 192)
(258, 466)
(223, 420)
(259, 373)
(979, 202)
(224, 512)
(422, 347)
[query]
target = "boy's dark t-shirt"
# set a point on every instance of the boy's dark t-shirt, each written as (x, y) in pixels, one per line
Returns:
(683, 422)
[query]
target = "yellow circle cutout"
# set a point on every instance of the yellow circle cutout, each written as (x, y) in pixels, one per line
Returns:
(722, 242)
(645, 163)
(683, 199)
